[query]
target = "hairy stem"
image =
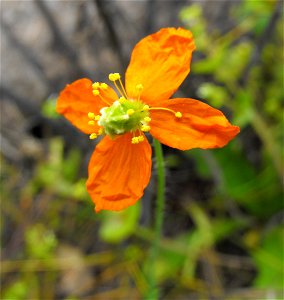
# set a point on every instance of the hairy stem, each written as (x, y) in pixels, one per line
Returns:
(159, 213)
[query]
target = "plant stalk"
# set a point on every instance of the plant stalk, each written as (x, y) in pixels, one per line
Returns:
(159, 215)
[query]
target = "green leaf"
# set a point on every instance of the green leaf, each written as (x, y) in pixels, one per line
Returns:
(49, 108)
(192, 17)
(167, 265)
(243, 108)
(18, 290)
(214, 94)
(40, 242)
(233, 63)
(269, 260)
(211, 63)
(118, 226)
(71, 165)
(258, 191)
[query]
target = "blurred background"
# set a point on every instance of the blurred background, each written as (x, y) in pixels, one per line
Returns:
(223, 225)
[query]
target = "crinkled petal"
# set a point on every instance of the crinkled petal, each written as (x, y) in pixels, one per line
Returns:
(77, 99)
(201, 125)
(118, 172)
(160, 62)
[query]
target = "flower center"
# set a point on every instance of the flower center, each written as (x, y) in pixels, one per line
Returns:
(123, 115)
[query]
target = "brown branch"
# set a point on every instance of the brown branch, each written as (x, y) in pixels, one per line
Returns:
(59, 41)
(51, 127)
(26, 52)
(112, 34)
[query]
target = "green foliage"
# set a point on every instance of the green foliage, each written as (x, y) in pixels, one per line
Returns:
(192, 16)
(243, 202)
(255, 104)
(18, 290)
(215, 95)
(269, 259)
(40, 242)
(257, 13)
(49, 108)
(59, 173)
(118, 226)
(243, 107)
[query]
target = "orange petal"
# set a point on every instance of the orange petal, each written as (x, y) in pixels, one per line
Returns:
(201, 126)
(119, 172)
(160, 62)
(77, 99)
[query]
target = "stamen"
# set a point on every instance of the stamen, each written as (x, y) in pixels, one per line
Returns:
(121, 100)
(147, 119)
(123, 89)
(119, 90)
(111, 77)
(97, 93)
(103, 86)
(146, 107)
(177, 114)
(91, 115)
(134, 140)
(116, 76)
(139, 87)
(145, 128)
(130, 112)
(95, 85)
(93, 136)
(137, 139)
(97, 117)
(91, 123)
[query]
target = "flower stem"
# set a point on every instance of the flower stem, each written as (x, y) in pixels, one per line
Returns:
(159, 214)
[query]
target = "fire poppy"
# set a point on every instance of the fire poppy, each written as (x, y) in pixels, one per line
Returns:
(120, 167)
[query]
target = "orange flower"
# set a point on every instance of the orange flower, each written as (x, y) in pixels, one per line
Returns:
(120, 167)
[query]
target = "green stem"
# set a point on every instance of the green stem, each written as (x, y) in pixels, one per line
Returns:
(159, 214)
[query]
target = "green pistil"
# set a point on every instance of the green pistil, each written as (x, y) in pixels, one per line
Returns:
(123, 117)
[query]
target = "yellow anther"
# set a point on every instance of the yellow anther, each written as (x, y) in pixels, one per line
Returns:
(139, 87)
(121, 100)
(93, 136)
(91, 122)
(137, 139)
(145, 128)
(97, 117)
(146, 107)
(101, 131)
(134, 140)
(103, 86)
(96, 92)
(130, 112)
(147, 119)
(91, 115)
(178, 114)
(113, 76)
(116, 76)
(95, 85)
(110, 77)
